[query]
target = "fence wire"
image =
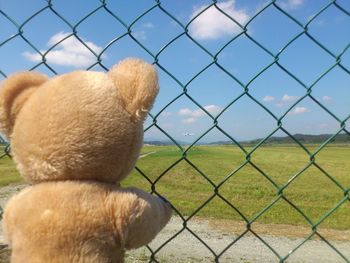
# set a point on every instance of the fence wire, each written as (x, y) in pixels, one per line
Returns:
(129, 32)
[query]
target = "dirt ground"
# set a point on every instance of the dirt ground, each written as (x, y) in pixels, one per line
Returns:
(219, 234)
(186, 248)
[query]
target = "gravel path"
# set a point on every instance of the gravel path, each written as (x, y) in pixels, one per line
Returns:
(146, 154)
(185, 248)
(5, 193)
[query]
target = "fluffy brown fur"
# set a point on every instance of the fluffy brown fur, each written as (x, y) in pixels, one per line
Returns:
(75, 137)
(81, 222)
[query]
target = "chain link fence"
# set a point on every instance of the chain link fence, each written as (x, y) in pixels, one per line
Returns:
(49, 7)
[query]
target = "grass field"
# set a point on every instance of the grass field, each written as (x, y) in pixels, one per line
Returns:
(312, 192)
(8, 172)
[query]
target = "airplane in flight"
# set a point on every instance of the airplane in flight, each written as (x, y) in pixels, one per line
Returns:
(187, 134)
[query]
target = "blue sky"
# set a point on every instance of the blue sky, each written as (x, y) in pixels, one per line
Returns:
(213, 89)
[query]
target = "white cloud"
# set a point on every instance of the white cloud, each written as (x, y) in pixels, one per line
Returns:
(185, 111)
(291, 4)
(285, 100)
(166, 114)
(298, 110)
(268, 98)
(33, 56)
(327, 98)
(139, 35)
(197, 113)
(212, 109)
(70, 52)
(193, 115)
(212, 24)
(189, 120)
(288, 98)
(148, 25)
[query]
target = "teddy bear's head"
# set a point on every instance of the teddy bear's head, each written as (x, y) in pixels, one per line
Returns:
(81, 125)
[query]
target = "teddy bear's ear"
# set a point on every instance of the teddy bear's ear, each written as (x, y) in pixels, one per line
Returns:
(14, 92)
(137, 85)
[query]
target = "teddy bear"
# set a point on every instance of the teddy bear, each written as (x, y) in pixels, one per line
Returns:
(74, 138)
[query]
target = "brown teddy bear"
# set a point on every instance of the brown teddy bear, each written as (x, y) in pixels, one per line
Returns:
(74, 138)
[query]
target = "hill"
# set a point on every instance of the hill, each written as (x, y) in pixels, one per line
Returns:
(305, 139)
(163, 143)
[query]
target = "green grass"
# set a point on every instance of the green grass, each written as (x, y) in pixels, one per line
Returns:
(250, 192)
(8, 172)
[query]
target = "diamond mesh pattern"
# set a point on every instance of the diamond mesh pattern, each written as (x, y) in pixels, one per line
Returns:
(127, 30)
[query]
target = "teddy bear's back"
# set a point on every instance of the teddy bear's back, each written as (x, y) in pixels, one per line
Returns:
(74, 137)
(62, 222)
(74, 127)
